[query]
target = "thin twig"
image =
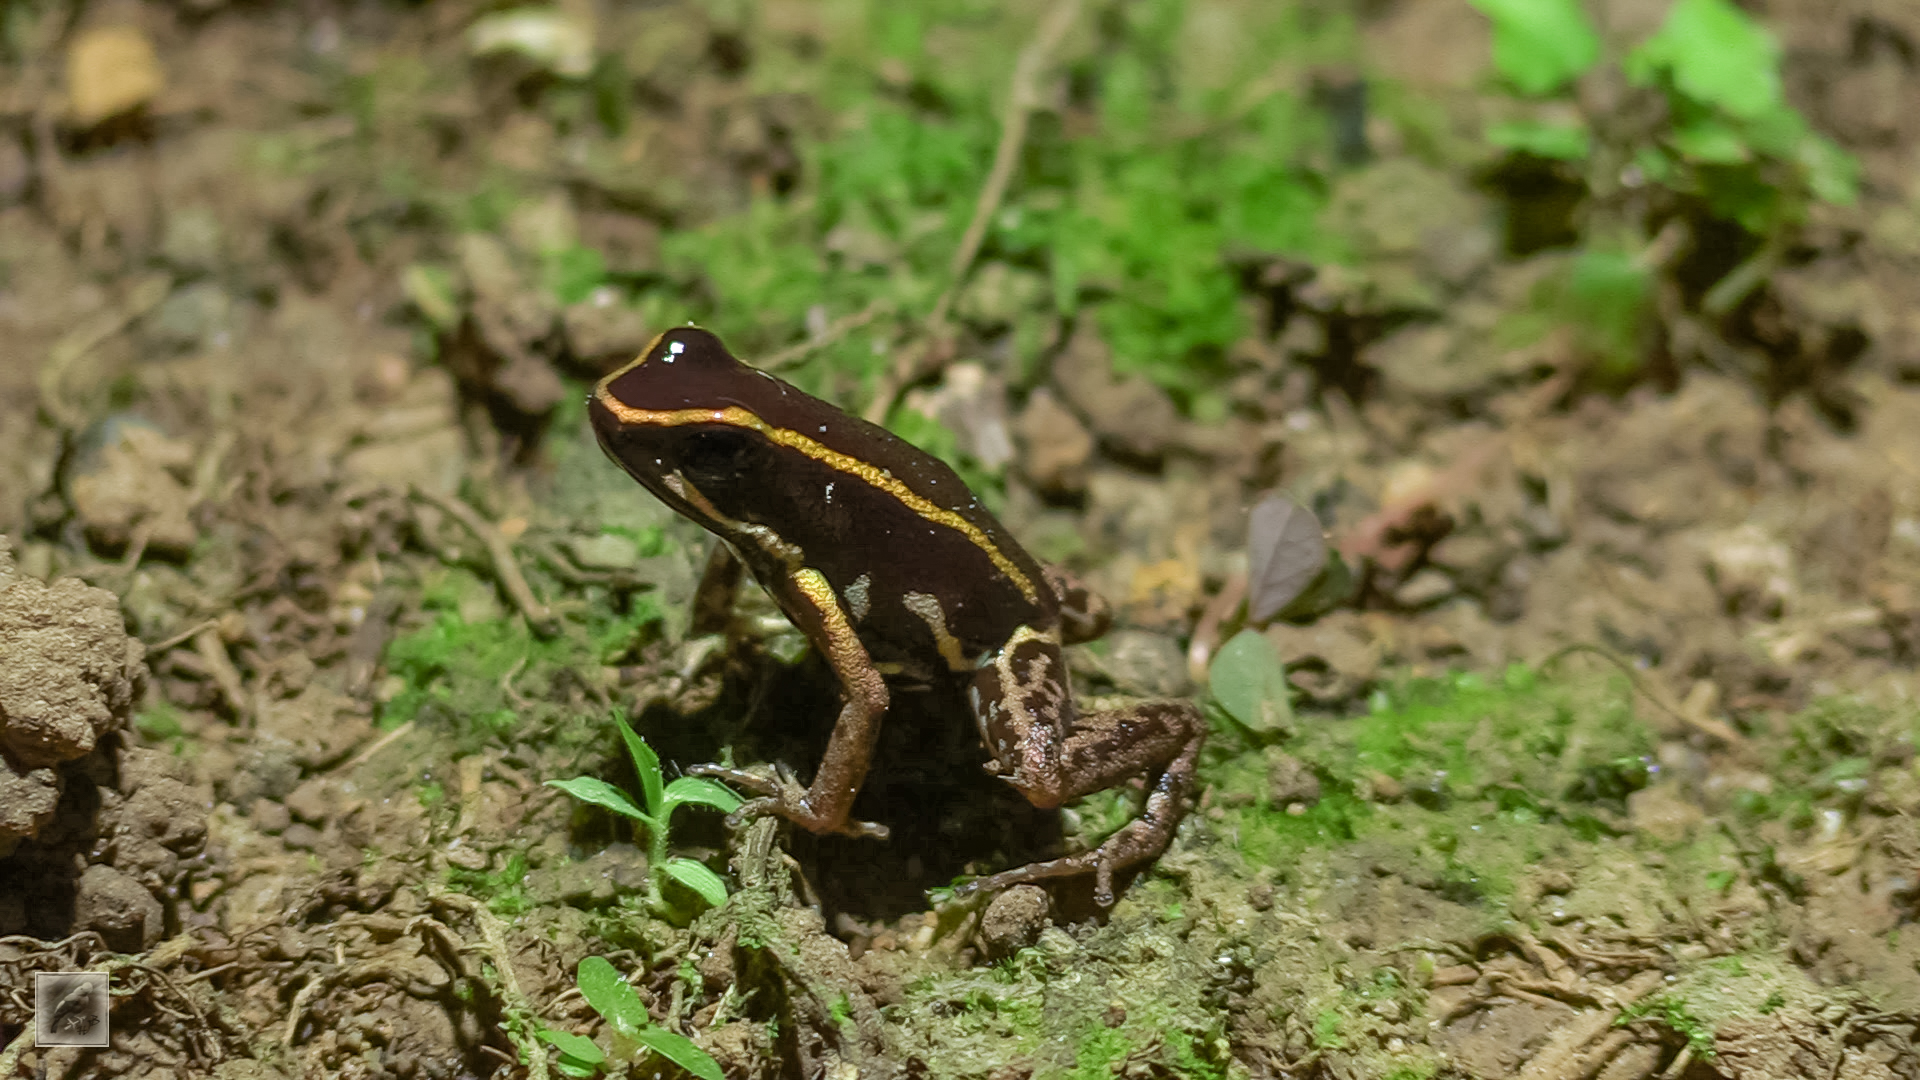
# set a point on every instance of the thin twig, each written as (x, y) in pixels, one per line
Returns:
(379, 744)
(501, 552)
(1206, 633)
(834, 332)
(212, 650)
(493, 935)
(1705, 725)
(172, 640)
(298, 1009)
(76, 344)
(1022, 99)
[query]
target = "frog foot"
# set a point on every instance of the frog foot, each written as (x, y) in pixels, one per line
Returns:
(1139, 841)
(784, 796)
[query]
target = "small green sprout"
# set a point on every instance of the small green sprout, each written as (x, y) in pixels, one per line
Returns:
(662, 799)
(629, 1025)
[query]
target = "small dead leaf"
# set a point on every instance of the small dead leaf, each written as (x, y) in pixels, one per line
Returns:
(1285, 551)
(110, 70)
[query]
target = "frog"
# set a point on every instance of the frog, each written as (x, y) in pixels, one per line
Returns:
(893, 570)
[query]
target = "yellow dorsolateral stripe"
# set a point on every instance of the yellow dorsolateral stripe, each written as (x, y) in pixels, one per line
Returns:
(871, 475)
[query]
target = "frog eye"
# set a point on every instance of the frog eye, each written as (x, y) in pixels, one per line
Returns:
(689, 345)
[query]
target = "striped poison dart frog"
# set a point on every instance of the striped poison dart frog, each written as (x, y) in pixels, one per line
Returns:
(889, 565)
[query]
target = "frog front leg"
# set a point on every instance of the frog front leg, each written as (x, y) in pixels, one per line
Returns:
(824, 806)
(1051, 754)
(1084, 614)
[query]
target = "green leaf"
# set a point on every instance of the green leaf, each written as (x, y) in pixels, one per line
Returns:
(612, 998)
(1557, 142)
(432, 290)
(699, 792)
(1605, 299)
(698, 878)
(1832, 173)
(1250, 683)
(578, 1047)
(681, 1051)
(571, 274)
(1540, 45)
(602, 794)
(647, 764)
(1710, 141)
(1716, 54)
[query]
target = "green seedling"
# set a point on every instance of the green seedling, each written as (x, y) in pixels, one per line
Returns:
(628, 1024)
(661, 799)
(1726, 145)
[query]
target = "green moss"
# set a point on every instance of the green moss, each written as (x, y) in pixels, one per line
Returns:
(482, 672)
(1672, 1010)
(1142, 221)
(503, 889)
(160, 722)
(1326, 1030)
(1535, 749)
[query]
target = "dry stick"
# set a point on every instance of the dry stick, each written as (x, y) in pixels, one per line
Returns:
(494, 944)
(172, 640)
(379, 744)
(212, 650)
(837, 329)
(298, 1009)
(1556, 1059)
(1023, 97)
(76, 344)
(1206, 633)
(501, 552)
(1704, 725)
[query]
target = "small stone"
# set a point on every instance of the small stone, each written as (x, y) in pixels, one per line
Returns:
(313, 801)
(588, 883)
(1054, 445)
(1147, 664)
(1130, 414)
(1426, 587)
(192, 317)
(433, 461)
(1379, 787)
(603, 332)
(301, 836)
(124, 913)
(270, 817)
(605, 551)
(1661, 813)
(1290, 780)
(1014, 920)
(467, 857)
(126, 485)
(191, 238)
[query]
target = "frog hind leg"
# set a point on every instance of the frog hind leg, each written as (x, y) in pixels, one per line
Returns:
(1052, 755)
(824, 806)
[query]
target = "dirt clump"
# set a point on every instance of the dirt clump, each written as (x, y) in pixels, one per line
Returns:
(69, 676)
